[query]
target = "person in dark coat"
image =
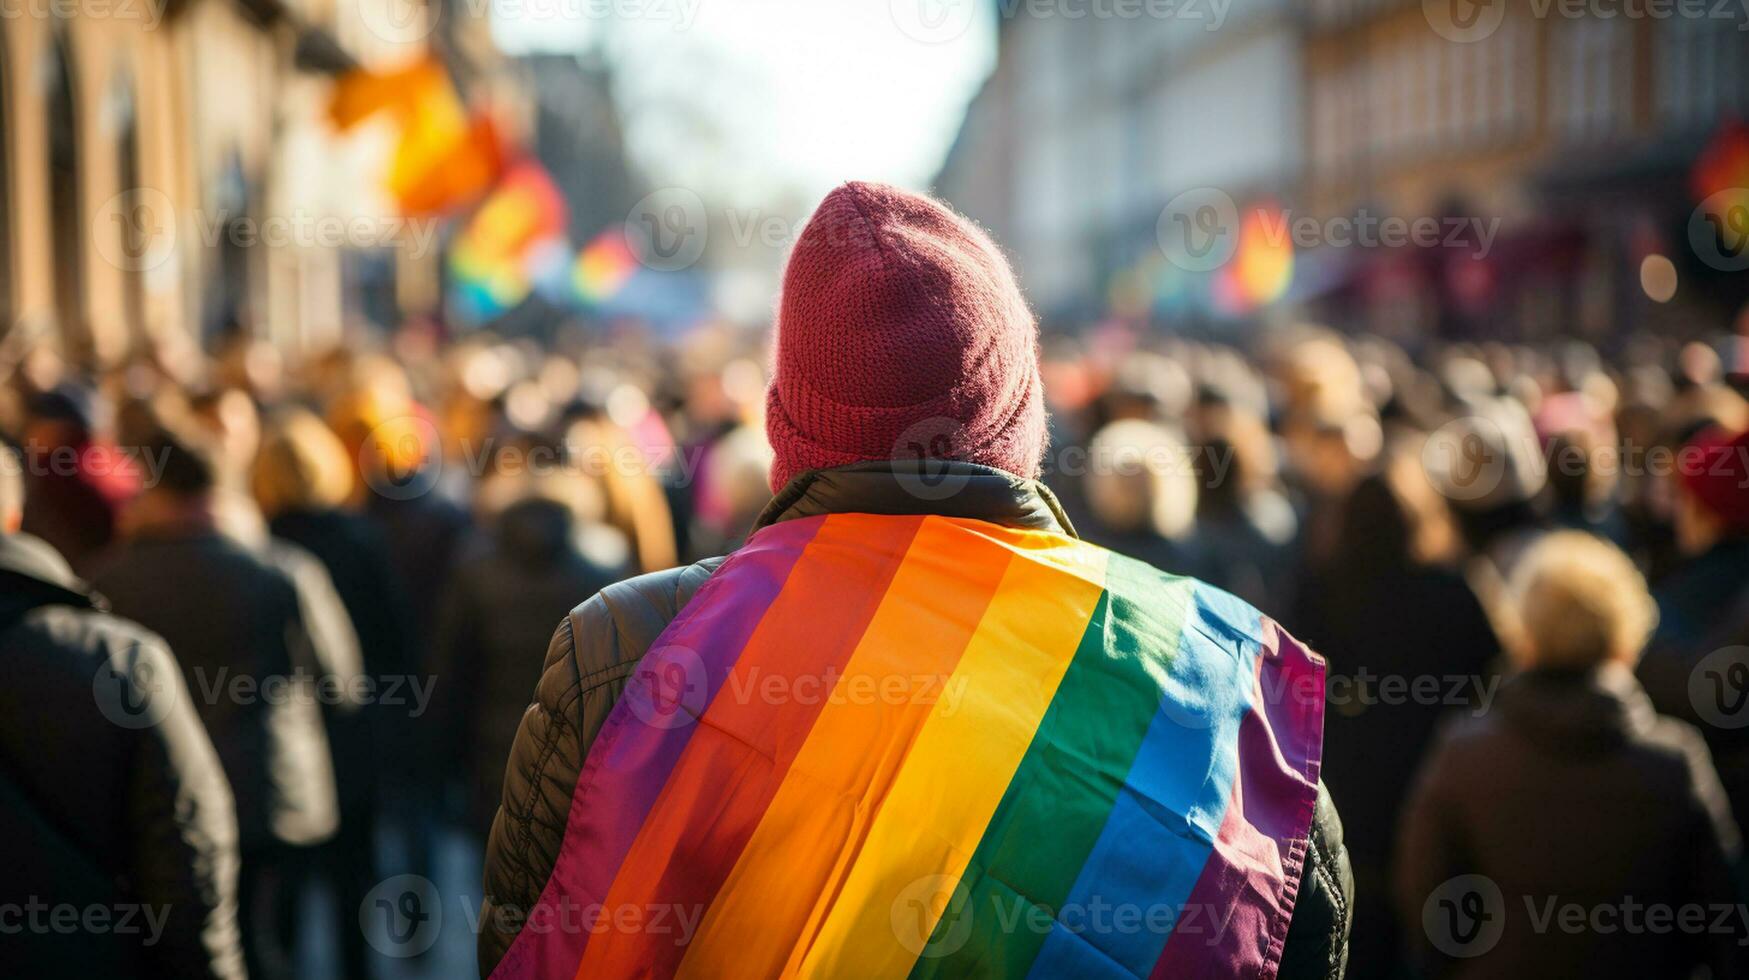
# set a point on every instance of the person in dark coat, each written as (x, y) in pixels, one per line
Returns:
(237, 622)
(301, 480)
(110, 791)
(1571, 793)
(423, 531)
(1697, 666)
(1371, 613)
(538, 557)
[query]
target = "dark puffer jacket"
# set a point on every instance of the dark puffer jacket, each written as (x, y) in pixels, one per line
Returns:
(116, 785)
(597, 647)
(249, 642)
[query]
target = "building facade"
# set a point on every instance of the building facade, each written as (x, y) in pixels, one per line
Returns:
(1568, 131)
(167, 171)
(1091, 124)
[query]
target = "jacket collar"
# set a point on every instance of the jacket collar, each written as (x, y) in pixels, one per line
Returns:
(33, 565)
(946, 488)
(1578, 710)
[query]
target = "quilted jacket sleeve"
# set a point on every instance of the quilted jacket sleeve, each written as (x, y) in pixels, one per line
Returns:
(591, 655)
(1317, 938)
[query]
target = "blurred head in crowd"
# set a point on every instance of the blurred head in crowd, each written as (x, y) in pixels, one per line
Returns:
(302, 465)
(1330, 426)
(1581, 604)
(1712, 497)
(1140, 480)
(1395, 519)
(1578, 431)
(1237, 460)
(733, 483)
(188, 478)
(68, 414)
(232, 424)
(901, 334)
(1488, 462)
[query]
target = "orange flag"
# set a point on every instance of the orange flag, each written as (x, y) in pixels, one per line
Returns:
(446, 158)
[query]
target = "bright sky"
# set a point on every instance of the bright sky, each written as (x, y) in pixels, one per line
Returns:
(768, 103)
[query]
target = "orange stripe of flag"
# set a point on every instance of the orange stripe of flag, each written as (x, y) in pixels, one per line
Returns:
(839, 778)
(737, 759)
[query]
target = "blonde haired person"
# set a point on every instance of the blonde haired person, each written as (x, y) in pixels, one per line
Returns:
(1568, 788)
(1581, 605)
(303, 478)
(301, 465)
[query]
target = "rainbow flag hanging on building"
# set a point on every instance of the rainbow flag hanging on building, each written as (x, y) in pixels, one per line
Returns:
(887, 746)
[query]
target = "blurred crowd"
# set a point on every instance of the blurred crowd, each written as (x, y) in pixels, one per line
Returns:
(392, 529)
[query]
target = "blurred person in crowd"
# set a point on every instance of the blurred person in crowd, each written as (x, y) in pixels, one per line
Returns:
(1489, 466)
(111, 793)
(1332, 440)
(1693, 669)
(733, 486)
(399, 469)
(301, 480)
(1391, 610)
(1141, 494)
(1570, 790)
(545, 546)
(1246, 525)
(909, 530)
(237, 624)
(77, 480)
(1581, 445)
(627, 472)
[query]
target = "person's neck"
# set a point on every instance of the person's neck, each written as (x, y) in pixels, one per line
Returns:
(164, 514)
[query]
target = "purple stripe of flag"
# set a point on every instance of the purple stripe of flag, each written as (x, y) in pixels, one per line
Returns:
(1247, 890)
(638, 745)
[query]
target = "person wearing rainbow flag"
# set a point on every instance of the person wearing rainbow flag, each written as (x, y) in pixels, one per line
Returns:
(915, 726)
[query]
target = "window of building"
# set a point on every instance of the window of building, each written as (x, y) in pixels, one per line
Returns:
(1594, 70)
(1701, 71)
(64, 211)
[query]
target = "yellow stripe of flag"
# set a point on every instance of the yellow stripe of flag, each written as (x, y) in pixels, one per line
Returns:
(955, 773)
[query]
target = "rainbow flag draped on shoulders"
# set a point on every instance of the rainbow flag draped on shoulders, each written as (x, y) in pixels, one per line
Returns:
(890, 746)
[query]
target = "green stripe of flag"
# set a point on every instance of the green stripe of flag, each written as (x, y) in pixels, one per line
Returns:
(1057, 803)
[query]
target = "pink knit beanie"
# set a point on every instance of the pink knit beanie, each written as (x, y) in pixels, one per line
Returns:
(901, 333)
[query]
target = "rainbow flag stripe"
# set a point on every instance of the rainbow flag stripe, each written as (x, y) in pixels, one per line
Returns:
(893, 745)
